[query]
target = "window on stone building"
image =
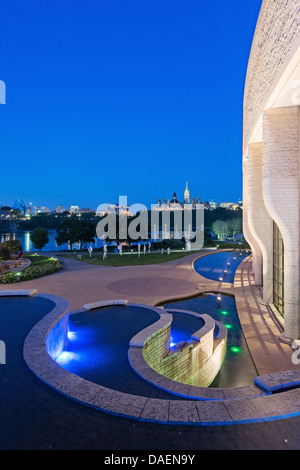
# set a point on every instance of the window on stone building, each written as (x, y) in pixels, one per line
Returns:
(278, 270)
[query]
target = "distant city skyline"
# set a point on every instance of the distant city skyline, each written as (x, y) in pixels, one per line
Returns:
(182, 199)
(41, 202)
(123, 98)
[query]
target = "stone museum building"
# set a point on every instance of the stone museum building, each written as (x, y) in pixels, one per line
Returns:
(271, 153)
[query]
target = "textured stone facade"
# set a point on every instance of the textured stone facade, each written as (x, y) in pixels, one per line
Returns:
(271, 151)
(275, 42)
(260, 222)
(281, 195)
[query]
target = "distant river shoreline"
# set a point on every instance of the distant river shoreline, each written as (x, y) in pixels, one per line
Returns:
(24, 239)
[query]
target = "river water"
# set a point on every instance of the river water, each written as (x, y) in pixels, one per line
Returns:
(24, 238)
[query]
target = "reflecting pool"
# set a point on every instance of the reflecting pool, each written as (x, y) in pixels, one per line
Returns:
(99, 342)
(221, 265)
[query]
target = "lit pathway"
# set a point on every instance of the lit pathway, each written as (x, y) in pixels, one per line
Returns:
(260, 327)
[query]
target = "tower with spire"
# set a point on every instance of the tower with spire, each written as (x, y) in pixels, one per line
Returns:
(175, 204)
(186, 194)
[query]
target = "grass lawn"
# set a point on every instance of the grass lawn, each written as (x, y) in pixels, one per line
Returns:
(129, 259)
(37, 260)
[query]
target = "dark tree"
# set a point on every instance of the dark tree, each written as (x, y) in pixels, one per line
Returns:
(73, 230)
(39, 237)
(14, 246)
(4, 253)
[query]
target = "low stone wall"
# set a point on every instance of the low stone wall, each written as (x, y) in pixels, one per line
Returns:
(18, 292)
(50, 335)
(57, 339)
(156, 346)
(204, 406)
(196, 362)
(104, 303)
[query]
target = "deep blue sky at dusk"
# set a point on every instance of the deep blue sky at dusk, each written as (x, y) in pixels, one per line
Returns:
(122, 97)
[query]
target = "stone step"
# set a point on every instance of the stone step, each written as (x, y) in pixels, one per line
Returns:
(278, 381)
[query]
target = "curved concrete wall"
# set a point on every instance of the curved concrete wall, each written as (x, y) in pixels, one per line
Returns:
(196, 362)
(260, 222)
(281, 194)
(256, 251)
(271, 151)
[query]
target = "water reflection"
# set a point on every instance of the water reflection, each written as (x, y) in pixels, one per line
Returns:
(220, 266)
(24, 239)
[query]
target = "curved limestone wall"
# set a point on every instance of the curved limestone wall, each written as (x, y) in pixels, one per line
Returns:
(196, 362)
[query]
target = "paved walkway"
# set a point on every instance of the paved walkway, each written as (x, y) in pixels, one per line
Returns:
(81, 283)
(15, 265)
(33, 416)
(260, 327)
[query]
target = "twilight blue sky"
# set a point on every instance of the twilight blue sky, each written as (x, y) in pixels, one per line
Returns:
(123, 97)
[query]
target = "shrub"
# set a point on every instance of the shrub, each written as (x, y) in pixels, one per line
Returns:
(32, 272)
(4, 253)
(8, 278)
(13, 246)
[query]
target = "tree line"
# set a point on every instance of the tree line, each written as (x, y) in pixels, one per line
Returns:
(224, 229)
(74, 230)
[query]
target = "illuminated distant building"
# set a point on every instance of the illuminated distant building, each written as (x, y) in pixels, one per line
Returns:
(60, 209)
(20, 206)
(39, 210)
(213, 204)
(28, 209)
(175, 204)
(114, 209)
(230, 205)
(74, 210)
